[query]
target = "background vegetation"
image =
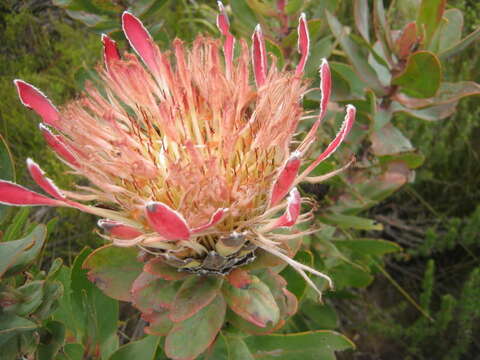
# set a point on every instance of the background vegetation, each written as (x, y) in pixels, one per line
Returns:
(435, 218)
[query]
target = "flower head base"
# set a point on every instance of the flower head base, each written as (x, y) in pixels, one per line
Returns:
(192, 160)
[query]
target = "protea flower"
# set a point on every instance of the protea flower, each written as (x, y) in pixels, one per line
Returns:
(192, 163)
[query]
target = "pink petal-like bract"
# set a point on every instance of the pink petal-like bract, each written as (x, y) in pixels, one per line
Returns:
(224, 26)
(285, 180)
(110, 51)
(216, 217)
(344, 130)
(303, 43)
(44, 182)
(140, 39)
(167, 222)
(34, 99)
(326, 89)
(13, 194)
(119, 230)
(57, 144)
(259, 56)
(289, 218)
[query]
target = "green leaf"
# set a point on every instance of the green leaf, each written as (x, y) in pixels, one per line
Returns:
(360, 12)
(228, 347)
(461, 45)
(295, 282)
(47, 350)
(244, 15)
(194, 294)
(30, 297)
(159, 323)
(98, 312)
(71, 352)
(293, 6)
(150, 293)
(66, 312)
(114, 269)
(14, 229)
(429, 16)
(144, 349)
(191, 337)
(275, 49)
(319, 50)
(319, 316)
(255, 303)
(381, 27)
(365, 246)
(432, 113)
(389, 140)
(447, 93)
(356, 56)
(7, 170)
(52, 292)
(421, 76)
(312, 345)
(16, 255)
(350, 222)
(347, 275)
(412, 159)
(451, 31)
(11, 325)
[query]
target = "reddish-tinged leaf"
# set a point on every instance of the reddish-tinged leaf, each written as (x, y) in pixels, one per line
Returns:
(293, 210)
(169, 223)
(57, 144)
(140, 40)
(447, 93)
(191, 337)
(149, 293)
(433, 113)
(194, 294)
(119, 230)
(34, 99)
(44, 182)
(259, 56)
(406, 42)
(217, 216)
(255, 303)
(239, 278)
(285, 179)
(113, 270)
(157, 267)
(110, 51)
(159, 323)
(286, 301)
(13, 194)
(303, 43)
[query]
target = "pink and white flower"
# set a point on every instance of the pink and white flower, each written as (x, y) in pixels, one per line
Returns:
(183, 148)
